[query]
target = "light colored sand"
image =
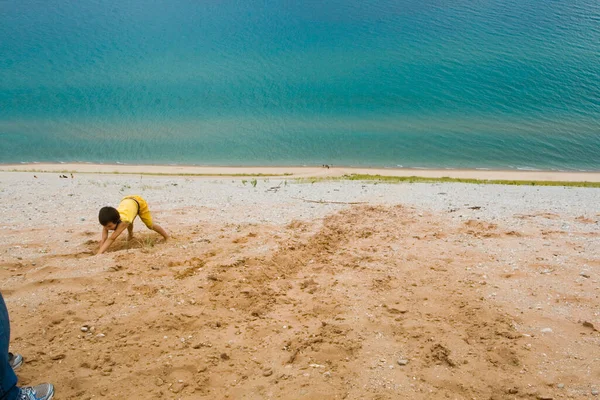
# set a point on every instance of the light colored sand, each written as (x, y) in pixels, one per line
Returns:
(308, 171)
(263, 293)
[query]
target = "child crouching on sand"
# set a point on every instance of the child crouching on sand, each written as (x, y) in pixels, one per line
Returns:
(117, 219)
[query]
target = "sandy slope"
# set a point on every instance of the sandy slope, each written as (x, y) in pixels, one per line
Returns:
(486, 292)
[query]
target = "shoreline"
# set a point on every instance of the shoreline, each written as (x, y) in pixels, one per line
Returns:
(304, 172)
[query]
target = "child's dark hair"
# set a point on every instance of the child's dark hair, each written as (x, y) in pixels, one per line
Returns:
(107, 215)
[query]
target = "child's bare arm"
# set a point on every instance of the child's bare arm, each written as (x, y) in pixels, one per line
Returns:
(120, 228)
(104, 235)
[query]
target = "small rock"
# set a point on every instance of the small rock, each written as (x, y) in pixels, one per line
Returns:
(584, 274)
(402, 362)
(560, 385)
(589, 325)
(224, 356)
(544, 397)
(178, 387)
(84, 328)
(546, 330)
(595, 392)
(267, 372)
(57, 357)
(82, 219)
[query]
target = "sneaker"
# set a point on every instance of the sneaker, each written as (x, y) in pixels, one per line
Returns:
(15, 360)
(45, 391)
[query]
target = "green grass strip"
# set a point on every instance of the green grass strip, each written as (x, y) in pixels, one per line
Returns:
(445, 179)
(419, 179)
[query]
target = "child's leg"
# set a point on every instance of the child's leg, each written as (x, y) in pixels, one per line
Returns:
(158, 229)
(146, 217)
(130, 231)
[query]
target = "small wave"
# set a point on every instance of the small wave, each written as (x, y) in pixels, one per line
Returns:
(528, 169)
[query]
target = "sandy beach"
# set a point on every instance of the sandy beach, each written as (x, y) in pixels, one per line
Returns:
(288, 290)
(301, 172)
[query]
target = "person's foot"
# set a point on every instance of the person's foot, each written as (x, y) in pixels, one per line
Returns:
(44, 391)
(15, 360)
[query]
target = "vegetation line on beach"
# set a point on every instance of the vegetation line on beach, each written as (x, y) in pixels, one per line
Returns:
(351, 177)
(420, 179)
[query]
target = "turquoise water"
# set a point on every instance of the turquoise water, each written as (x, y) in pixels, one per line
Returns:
(432, 84)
